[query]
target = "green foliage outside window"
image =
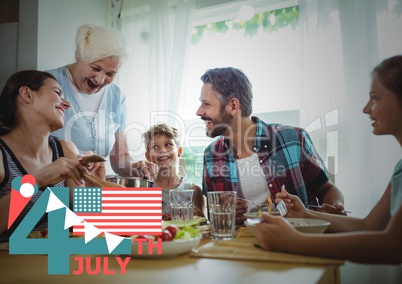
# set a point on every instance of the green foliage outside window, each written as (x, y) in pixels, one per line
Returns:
(194, 159)
(269, 21)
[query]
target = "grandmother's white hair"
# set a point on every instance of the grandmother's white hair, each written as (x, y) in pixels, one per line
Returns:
(94, 43)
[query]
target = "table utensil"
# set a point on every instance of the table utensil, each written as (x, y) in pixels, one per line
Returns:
(92, 159)
(281, 207)
(252, 202)
(91, 180)
(130, 181)
(312, 226)
(319, 206)
(94, 181)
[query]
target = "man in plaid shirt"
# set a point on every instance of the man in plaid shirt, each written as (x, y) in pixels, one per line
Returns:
(254, 158)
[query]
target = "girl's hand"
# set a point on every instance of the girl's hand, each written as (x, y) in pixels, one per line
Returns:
(294, 205)
(275, 233)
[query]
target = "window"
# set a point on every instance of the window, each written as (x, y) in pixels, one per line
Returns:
(249, 38)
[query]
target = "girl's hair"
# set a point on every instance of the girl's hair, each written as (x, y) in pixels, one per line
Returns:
(389, 73)
(32, 79)
(94, 43)
(161, 129)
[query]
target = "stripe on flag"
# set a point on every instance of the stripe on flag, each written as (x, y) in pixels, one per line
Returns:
(120, 211)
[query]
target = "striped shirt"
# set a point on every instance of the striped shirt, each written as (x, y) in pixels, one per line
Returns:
(13, 169)
(287, 157)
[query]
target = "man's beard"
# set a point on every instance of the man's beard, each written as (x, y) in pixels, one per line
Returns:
(222, 126)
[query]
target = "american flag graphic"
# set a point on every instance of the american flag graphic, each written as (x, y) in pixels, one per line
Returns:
(120, 211)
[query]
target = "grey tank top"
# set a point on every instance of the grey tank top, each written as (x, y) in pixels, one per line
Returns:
(13, 169)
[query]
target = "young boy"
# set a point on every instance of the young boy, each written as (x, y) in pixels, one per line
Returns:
(162, 146)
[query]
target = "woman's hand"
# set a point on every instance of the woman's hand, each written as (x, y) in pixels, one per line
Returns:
(95, 169)
(59, 170)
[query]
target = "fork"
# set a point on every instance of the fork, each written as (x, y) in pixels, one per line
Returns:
(319, 206)
(281, 207)
(258, 205)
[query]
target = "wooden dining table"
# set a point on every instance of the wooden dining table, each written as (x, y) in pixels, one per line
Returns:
(237, 261)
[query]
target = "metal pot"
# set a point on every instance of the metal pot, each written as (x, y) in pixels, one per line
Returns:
(130, 181)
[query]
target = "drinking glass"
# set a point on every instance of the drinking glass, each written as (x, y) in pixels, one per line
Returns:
(222, 214)
(182, 204)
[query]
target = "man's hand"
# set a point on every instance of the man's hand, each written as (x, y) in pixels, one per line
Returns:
(241, 208)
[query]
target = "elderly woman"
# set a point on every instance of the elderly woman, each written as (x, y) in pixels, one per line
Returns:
(96, 120)
(31, 107)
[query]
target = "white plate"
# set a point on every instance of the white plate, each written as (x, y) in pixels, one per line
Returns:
(180, 223)
(312, 226)
(169, 249)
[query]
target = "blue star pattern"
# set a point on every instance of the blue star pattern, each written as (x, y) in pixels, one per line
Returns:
(87, 200)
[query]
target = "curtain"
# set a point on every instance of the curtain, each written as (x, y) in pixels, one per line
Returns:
(342, 41)
(159, 34)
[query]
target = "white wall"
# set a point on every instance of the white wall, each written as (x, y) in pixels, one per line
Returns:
(8, 51)
(57, 26)
(27, 35)
(48, 27)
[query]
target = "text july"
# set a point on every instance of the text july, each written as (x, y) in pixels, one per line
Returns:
(101, 263)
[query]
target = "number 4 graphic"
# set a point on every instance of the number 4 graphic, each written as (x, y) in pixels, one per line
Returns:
(58, 246)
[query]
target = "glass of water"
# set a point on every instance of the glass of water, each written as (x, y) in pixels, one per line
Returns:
(182, 204)
(222, 214)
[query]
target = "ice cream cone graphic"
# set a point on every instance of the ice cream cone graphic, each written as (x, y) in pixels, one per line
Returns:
(22, 190)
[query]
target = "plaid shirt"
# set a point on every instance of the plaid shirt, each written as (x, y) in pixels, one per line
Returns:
(287, 157)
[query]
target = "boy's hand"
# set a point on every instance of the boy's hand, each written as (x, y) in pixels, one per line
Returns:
(144, 169)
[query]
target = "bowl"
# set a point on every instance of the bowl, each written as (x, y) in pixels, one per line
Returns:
(253, 215)
(312, 226)
(130, 181)
(169, 248)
